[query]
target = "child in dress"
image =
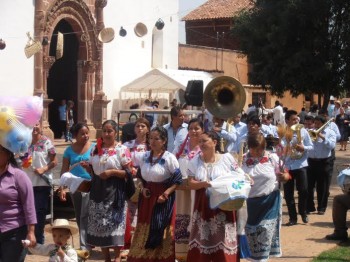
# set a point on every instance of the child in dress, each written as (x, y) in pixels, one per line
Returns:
(59, 251)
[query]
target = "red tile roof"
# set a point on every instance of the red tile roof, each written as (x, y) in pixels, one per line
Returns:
(216, 9)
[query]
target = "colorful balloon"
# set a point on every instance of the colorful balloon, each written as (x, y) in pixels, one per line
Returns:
(18, 140)
(7, 118)
(18, 115)
(30, 110)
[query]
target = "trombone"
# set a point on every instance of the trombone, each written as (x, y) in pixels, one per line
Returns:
(314, 133)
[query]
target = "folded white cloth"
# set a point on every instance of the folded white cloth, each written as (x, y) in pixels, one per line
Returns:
(228, 187)
(71, 181)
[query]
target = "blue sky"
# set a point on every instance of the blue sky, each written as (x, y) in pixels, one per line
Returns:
(186, 6)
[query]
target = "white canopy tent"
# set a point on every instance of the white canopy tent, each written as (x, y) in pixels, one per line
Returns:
(166, 81)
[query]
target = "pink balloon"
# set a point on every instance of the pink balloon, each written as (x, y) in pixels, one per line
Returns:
(29, 110)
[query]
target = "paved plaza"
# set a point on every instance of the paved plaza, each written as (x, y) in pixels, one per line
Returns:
(300, 243)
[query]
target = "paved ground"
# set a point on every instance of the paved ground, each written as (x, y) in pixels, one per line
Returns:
(300, 243)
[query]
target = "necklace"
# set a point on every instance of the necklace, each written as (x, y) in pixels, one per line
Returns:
(106, 153)
(157, 160)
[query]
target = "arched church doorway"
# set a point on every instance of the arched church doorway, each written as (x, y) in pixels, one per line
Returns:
(62, 81)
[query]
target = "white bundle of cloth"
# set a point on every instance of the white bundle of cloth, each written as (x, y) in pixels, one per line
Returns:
(71, 181)
(227, 188)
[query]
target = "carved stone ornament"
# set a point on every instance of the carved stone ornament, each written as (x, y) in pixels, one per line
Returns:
(48, 61)
(84, 37)
(80, 12)
(39, 20)
(90, 66)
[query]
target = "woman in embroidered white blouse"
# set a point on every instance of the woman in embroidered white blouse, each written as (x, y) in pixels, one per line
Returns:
(214, 232)
(264, 204)
(185, 196)
(160, 175)
(110, 161)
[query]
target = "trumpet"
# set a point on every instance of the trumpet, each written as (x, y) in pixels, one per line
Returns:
(314, 133)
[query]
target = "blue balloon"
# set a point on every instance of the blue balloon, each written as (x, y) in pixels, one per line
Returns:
(18, 140)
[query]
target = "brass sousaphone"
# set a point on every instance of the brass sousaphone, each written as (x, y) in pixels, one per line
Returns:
(224, 97)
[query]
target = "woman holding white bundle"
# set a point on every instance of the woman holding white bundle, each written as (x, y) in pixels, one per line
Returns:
(75, 154)
(213, 232)
(264, 203)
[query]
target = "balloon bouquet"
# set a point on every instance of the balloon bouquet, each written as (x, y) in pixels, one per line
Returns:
(18, 116)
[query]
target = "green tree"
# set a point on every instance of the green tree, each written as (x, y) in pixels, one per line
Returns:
(299, 46)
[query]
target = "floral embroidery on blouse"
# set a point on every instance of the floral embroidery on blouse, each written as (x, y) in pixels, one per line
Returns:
(40, 146)
(252, 161)
(191, 153)
(105, 153)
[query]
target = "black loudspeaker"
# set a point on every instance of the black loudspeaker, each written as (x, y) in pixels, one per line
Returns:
(128, 132)
(194, 93)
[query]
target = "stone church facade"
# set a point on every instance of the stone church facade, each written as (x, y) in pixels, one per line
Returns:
(80, 16)
(90, 73)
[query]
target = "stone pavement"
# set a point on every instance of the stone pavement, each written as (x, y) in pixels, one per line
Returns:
(300, 243)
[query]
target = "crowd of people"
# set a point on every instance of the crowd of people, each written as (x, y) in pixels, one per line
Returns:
(148, 197)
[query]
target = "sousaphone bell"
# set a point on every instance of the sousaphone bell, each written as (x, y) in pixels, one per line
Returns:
(224, 97)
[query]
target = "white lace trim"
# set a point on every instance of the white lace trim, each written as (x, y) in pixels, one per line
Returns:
(211, 229)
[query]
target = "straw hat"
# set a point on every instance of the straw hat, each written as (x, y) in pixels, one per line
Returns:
(140, 29)
(63, 224)
(338, 102)
(59, 46)
(106, 35)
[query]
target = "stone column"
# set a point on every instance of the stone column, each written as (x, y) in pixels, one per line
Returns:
(86, 76)
(99, 5)
(47, 63)
(100, 100)
(39, 24)
(40, 74)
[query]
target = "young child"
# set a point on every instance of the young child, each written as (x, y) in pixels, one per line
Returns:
(60, 251)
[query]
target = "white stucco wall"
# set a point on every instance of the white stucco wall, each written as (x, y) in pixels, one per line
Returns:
(16, 18)
(129, 57)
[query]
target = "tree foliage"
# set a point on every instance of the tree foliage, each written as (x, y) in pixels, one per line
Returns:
(301, 46)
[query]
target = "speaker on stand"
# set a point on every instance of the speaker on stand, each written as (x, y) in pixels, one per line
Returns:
(194, 93)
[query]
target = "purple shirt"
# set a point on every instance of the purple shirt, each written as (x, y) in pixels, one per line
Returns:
(16, 200)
